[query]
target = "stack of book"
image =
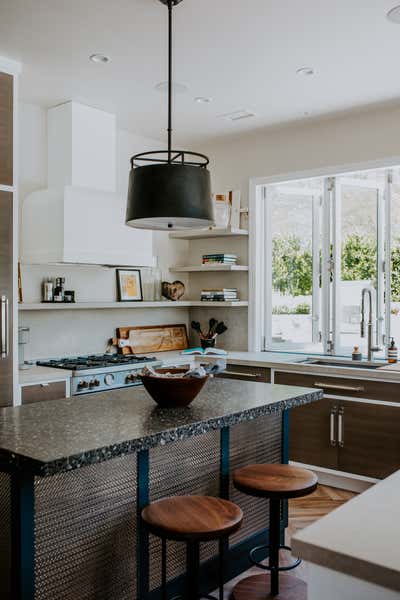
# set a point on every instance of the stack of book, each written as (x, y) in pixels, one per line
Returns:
(220, 295)
(221, 259)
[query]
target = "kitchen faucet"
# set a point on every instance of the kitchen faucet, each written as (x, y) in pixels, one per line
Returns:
(371, 348)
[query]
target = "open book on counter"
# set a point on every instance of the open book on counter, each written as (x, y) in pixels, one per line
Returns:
(204, 352)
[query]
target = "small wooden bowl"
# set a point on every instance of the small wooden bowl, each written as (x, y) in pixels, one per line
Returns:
(174, 392)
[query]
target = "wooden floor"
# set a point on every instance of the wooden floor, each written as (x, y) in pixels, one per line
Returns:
(303, 512)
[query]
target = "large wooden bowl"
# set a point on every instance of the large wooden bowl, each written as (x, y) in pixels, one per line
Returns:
(174, 392)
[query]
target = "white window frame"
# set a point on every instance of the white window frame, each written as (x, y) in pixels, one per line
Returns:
(260, 272)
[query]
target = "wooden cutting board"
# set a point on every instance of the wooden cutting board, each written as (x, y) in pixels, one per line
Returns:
(152, 338)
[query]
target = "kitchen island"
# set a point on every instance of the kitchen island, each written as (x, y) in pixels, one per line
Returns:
(75, 474)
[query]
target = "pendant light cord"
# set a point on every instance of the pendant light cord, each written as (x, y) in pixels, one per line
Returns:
(170, 4)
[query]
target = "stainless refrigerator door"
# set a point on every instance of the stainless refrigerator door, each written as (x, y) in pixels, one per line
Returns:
(6, 299)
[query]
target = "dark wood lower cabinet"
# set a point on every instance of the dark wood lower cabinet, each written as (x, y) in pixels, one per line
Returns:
(371, 439)
(43, 391)
(345, 435)
(310, 435)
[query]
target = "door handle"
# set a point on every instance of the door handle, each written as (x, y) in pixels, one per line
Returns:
(341, 427)
(334, 386)
(333, 414)
(4, 343)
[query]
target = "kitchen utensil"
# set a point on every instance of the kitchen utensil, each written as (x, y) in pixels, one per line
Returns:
(221, 328)
(174, 392)
(196, 326)
(212, 323)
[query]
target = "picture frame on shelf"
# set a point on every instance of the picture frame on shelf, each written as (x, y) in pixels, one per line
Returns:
(129, 285)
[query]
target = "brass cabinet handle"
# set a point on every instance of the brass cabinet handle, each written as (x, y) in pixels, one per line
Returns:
(4, 344)
(333, 414)
(334, 386)
(249, 375)
(341, 427)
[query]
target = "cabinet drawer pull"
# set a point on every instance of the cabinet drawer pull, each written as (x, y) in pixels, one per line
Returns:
(237, 373)
(332, 426)
(341, 427)
(44, 385)
(334, 386)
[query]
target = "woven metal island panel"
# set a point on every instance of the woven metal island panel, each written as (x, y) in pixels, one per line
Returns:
(85, 530)
(185, 467)
(5, 536)
(258, 441)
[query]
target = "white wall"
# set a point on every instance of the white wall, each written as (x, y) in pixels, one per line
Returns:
(352, 138)
(72, 332)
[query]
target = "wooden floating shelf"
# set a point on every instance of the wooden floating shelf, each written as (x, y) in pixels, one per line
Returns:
(198, 234)
(125, 305)
(208, 268)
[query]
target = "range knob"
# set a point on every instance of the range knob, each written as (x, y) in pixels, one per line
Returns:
(83, 385)
(109, 379)
(94, 383)
(130, 378)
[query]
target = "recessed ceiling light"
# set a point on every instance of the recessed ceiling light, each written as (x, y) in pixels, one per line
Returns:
(99, 58)
(238, 115)
(305, 71)
(202, 100)
(394, 15)
(177, 88)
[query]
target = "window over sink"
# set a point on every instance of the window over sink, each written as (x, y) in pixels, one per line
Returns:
(325, 239)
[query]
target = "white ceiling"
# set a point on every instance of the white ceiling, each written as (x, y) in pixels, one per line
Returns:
(242, 53)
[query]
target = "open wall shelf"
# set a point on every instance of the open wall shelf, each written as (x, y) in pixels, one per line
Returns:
(197, 234)
(208, 268)
(126, 305)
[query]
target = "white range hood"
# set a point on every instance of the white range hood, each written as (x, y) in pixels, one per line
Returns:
(80, 217)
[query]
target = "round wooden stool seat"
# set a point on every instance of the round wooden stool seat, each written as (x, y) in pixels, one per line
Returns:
(275, 481)
(257, 587)
(192, 518)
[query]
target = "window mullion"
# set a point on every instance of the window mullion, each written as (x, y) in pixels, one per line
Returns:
(388, 254)
(336, 261)
(316, 268)
(326, 267)
(381, 267)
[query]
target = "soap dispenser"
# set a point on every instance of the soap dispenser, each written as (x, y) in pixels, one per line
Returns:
(393, 352)
(356, 355)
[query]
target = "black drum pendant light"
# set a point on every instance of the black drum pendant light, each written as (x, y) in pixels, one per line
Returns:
(174, 191)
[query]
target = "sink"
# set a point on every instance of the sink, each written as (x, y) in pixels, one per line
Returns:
(352, 364)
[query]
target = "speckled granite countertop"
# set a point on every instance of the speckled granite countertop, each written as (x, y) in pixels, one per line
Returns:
(62, 435)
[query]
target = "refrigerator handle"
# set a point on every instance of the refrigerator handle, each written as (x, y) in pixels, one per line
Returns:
(4, 344)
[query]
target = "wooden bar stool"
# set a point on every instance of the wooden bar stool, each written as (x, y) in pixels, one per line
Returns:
(276, 483)
(192, 519)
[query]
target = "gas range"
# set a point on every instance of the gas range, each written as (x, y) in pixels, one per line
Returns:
(100, 372)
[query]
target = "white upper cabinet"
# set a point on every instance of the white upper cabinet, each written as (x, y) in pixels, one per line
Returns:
(80, 217)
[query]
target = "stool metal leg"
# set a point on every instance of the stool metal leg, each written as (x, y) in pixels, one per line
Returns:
(164, 568)
(192, 570)
(274, 543)
(221, 569)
